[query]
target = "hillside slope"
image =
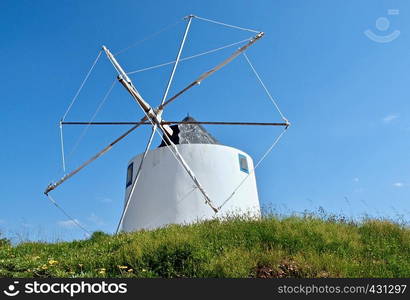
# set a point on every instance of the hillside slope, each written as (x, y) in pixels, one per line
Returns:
(272, 247)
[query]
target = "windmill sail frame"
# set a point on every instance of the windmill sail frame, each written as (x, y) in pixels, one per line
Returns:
(153, 116)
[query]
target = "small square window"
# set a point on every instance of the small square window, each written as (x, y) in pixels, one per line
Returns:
(129, 174)
(243, 163)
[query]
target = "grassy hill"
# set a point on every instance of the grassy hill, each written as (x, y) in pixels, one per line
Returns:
(271, 247)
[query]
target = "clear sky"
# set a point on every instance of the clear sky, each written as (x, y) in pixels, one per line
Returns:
(345, 92)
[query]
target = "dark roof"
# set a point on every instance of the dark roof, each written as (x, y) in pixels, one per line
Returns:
(190, 134)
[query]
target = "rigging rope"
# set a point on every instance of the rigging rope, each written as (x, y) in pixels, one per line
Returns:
(68, 216)
(84, 132)
(265, 88)
(81, 86)
(188, 57)
(62, 145)
(71, 105)
(169, 26)
(227, 25)
(275, 142)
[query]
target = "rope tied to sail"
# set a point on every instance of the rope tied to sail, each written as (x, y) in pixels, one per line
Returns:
(73, 220)
(188, 57)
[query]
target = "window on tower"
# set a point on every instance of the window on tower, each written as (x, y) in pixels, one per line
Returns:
(243, 163)
(129, 174)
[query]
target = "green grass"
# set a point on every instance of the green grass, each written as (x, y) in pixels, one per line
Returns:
(271, 247)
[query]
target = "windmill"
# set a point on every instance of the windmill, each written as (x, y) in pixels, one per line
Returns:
(198, 162)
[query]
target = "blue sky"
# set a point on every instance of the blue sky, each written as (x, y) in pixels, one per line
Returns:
(345, 94)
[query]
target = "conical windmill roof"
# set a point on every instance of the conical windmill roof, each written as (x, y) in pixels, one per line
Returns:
(190, 134)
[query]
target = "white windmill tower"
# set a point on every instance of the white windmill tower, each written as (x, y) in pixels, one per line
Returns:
(175, 200)
(190, 177)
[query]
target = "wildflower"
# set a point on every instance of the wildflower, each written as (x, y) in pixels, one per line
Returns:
(52, 262)
(130, 270)
(122, 267)
(102, 271)
(44, 267)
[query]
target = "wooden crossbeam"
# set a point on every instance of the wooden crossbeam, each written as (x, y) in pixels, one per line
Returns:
(179, 122)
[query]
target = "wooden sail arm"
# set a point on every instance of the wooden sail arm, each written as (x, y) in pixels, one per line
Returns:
(213, 70)
(116, 65)
(231, 58)
(127, 83)
(155, 117)
(52, 186)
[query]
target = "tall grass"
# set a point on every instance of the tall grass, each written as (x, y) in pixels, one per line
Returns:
(303, 246)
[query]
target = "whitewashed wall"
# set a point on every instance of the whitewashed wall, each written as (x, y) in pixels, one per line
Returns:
(165, 194)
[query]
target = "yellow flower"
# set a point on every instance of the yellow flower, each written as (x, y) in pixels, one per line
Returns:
(130, 270)
(123, 267)
(52, 262)
(44, 267)
(102, 271)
